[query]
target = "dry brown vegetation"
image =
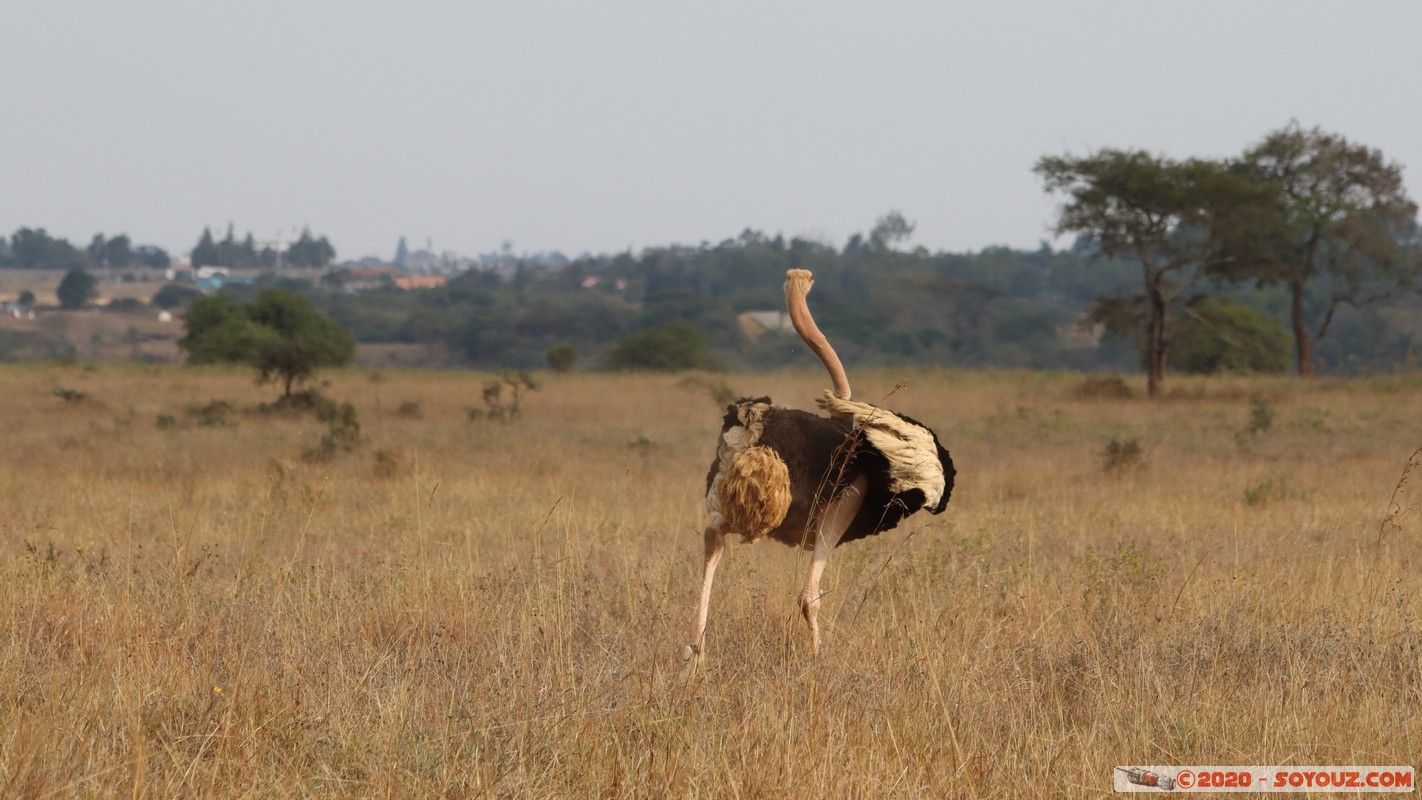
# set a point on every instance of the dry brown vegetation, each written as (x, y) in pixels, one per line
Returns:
(461, 608)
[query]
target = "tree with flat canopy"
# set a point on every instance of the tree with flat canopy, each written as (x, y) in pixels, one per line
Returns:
(1338, 216)
(1167, 216)
(279, 333)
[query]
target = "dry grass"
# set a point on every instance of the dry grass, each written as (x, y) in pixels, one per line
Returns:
(466, 609)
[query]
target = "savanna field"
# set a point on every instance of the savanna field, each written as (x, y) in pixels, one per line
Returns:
(199, 599)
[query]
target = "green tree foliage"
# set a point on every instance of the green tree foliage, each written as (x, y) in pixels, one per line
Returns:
(118, 252)
(27, 298)
(1338, 214)
(1164, 215)
(1217, 335)
(880, 302)
(665, 348)
(205, 253)
(243, 253)
(32, 248)
(279, 333)
(115, 253)
(219, 331)
(305, 338)
(891, 230)
(95, 251)
(309, 251)
(562, 356)
(173, 295)
(76, 289)
(151, 256)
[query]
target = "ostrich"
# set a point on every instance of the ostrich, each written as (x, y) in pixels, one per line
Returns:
(816, 482)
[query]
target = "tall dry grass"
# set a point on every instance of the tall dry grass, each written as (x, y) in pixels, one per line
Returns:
(478, 609)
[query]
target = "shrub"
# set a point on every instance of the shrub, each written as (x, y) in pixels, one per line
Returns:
(173, 296)
(213, 415)
(1125, 454)
(1102, 387)
(1271, 487)
(671, 347)
(562, 357)
(1224, 336)
(716, 388)
(125, 305)
(1261, 416)
(387, 464)
(342, 433)
(494, 405)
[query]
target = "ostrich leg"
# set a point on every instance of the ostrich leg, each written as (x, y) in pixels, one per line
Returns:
(837, 516)
(715, 546)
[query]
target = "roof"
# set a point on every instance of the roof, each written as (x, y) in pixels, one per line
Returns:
(421, 281)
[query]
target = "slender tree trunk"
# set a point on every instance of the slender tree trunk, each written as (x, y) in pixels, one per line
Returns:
(1155, 347)
(1302, 345)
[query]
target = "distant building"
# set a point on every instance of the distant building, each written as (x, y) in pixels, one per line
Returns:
(359, 279)
(220, 278)
(594, 281)
(755, 324)
(408, 282)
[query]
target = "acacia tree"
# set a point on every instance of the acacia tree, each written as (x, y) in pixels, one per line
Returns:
(305, 338)
(1339, 214)
(1162, 214)
(279, 333)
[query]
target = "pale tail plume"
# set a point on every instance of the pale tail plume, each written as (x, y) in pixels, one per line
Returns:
(910, 449)
(797, 287)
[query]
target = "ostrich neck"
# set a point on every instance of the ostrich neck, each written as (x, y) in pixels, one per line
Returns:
(797, 287)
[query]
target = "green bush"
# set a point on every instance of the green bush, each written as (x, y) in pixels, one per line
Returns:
(125, 305)
(173, 295)
(1223, 336)
(562, 357)
(672, 347)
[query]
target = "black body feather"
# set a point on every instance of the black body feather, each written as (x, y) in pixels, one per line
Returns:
(824, 455)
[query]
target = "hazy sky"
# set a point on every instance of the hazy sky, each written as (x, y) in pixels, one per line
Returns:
(599, 126)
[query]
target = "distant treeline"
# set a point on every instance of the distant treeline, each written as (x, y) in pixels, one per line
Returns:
(878, 304)
(34, 248)
(307, 251)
